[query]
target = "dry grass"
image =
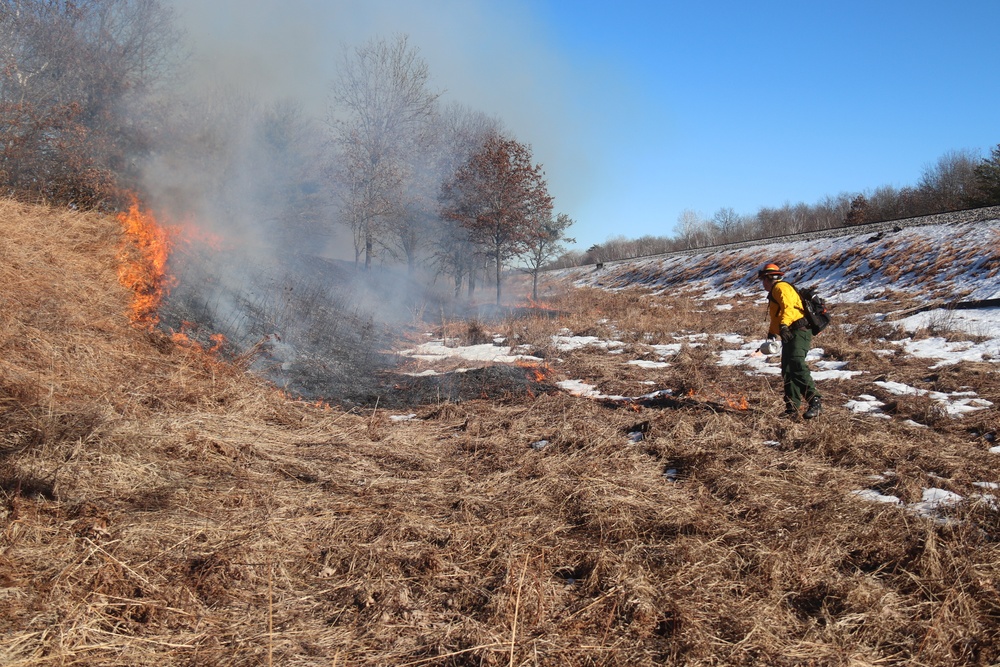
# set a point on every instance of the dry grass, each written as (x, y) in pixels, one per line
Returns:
(157, 506)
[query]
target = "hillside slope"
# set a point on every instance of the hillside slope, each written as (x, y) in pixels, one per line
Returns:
(129, 463)
(159, 506)
(940, 262)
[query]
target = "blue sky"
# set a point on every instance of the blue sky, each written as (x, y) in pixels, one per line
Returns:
(640, 110)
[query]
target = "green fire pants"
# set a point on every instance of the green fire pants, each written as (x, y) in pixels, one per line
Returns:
(795, 376)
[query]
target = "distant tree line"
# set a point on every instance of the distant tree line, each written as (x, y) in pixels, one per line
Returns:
(957, 181)
(91, 112)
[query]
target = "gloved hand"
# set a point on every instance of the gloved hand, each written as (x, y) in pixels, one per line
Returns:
(786, 334)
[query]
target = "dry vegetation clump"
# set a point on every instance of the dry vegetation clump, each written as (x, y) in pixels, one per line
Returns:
(158, 506)
(475, 334)
(942, 325)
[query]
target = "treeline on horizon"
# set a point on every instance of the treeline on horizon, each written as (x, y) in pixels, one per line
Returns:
(958, 180)
(93, 109)
(97, 106)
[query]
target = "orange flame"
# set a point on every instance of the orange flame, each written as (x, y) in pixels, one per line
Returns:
(738, 402)
(733, 401)
(143, 270)
(143, 267)
(183, 339)
(538, 305)
(537, 371)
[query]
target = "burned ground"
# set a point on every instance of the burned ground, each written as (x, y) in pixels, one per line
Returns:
(162, 505)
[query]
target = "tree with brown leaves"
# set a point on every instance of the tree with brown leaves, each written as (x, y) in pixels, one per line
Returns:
(501, 198)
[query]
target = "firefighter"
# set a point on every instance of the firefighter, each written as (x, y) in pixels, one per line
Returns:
(787, 321)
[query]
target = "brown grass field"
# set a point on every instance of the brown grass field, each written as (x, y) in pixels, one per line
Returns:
(159, 506)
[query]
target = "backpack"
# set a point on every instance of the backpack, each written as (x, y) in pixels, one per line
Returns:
(817, 313)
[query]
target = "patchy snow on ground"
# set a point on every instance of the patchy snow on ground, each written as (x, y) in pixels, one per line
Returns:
(566, 343)
(747, 355)
(934, 503)
(955, 403)
(951, 352)
(436, 350)
(642, 363)
(822, 266)
(980, 322)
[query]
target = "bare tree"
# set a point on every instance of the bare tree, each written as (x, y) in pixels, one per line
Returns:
(947, 184)
(244, 169)
(546, 244)
(728, 223)
(70, 77)
(569, 259)
(830, 212)
(695, 231)
(378, 116)
(499, 196)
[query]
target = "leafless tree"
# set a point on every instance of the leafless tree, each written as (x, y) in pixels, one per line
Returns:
(946, 185)
(245, 169)
(694, 231)
(570, 259)
(830, 212)
(729, 224)
(71, 75)
(546, 244)
(379, 114)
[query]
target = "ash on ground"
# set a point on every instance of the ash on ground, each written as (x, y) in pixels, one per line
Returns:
(319, 330)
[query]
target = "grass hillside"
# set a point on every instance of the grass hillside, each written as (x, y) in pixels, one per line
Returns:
(945, 262)
(160, 506)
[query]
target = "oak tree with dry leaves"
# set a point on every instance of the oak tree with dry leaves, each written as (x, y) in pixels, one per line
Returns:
(501, 198)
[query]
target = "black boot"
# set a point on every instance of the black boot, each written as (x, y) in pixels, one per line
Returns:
(815, 407)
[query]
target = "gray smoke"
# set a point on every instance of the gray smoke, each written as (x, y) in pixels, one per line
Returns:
(244, 154)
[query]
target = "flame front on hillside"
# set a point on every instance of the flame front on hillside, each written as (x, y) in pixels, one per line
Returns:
(144, 256)
(143, 267)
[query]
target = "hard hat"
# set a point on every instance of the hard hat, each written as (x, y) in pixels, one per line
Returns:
(770, 271)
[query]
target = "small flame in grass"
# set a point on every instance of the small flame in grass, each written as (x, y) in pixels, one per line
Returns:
(538, 305)
(292, 398)
(738, 402)
(733, 401)
(184, 339)
(536, 371)
(143, 267)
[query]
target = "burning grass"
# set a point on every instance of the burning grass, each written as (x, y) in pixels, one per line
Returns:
(159, 506)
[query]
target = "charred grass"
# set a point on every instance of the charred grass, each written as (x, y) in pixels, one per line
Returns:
(158, 506)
